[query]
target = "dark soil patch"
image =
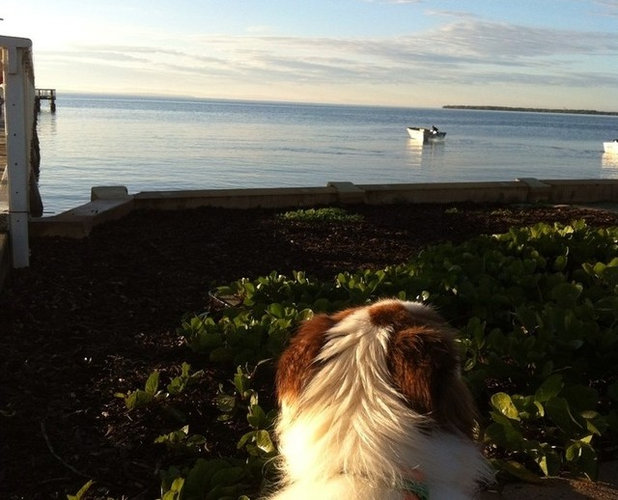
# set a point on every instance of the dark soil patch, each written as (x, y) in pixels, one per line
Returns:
(93, 317)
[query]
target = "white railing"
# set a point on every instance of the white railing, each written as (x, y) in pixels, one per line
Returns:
(19, 91)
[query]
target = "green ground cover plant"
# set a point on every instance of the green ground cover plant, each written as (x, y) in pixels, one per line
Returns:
(537, 311)
(325, 214)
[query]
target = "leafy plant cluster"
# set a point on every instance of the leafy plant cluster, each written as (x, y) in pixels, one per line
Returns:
(197, 476)
(151, 392)
(537, 309)
(326, 214)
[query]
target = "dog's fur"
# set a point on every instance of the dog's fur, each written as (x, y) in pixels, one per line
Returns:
(370, 398)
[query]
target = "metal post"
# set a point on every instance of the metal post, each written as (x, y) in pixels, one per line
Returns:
(18, 168)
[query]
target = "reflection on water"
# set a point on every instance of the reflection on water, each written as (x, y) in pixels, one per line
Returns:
(609, 161)
(425, 155)
(415, 153)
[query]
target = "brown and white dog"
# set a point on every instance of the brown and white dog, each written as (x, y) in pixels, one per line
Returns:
(373, 407)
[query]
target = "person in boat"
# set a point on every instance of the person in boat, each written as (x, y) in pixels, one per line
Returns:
(434, 130)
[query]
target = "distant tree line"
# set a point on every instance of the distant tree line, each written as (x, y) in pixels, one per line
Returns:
(534, 110)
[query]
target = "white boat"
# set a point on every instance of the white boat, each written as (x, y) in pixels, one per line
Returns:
(611, 147)
(422, 134)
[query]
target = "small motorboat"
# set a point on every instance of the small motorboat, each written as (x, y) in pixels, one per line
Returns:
(422, 134)
(611, 146)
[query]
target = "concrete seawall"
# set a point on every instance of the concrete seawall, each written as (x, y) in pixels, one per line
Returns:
(112, 202)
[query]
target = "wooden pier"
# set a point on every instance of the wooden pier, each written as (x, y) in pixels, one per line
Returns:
(47, 95)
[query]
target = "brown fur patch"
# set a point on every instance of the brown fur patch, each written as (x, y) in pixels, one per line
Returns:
(396, 315)
(295, 366)
(423, 362)
(390, 314)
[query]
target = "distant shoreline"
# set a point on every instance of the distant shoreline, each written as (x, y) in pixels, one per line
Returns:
(533, 110)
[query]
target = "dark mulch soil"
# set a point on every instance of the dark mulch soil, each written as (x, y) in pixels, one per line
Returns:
(93, 317)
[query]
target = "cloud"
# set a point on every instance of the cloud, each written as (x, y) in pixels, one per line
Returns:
(396, 1)
(457, 49)
(105, 56)
(607, 7)
(466, 51)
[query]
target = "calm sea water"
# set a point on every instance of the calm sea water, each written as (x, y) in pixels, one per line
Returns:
(157, 144)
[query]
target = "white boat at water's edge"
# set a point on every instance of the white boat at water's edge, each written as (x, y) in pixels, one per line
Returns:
(611, 146)
(422, 134)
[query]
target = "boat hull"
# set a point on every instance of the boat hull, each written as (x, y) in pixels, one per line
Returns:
(611, 147)
(421, 134)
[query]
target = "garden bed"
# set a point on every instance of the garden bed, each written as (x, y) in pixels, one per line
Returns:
(94, 317)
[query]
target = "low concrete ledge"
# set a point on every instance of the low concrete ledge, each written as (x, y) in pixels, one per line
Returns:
(237, 198)
(348, 193)
(78, 222)
(113, 202)
(538, 191)
(109, 193)
(582, 191)
(452, 192)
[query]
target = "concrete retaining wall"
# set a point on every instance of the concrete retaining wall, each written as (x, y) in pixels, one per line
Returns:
(113, 202)
(237, 198)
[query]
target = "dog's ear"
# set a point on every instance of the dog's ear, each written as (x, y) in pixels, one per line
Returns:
(295, 365)
(456, 409)
(424, 365)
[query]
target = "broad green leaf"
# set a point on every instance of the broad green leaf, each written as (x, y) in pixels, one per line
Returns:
(550, 388)
(82, 491)
(560, 263)
(241, 381)
(245, 439)
(558, 410)
(518, 471)
(504, 404)
(175, 491)
(610, 275)
(152, 384)
(138, 399)
(276, 310)
(549, 462)
(503, 433)
(225, 402)
(583, 455)
(256, 417)
(264, 442)
(595, 423)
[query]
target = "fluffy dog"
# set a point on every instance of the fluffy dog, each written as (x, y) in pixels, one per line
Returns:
(373, 407)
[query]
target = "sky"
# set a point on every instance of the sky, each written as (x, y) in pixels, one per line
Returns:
(413, 53)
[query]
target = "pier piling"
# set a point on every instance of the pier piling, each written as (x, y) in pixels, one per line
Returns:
(45, 94)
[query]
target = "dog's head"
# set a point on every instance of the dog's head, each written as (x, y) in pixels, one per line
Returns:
(406, 348)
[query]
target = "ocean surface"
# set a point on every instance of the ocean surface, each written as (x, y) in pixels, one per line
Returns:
(150, 144)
